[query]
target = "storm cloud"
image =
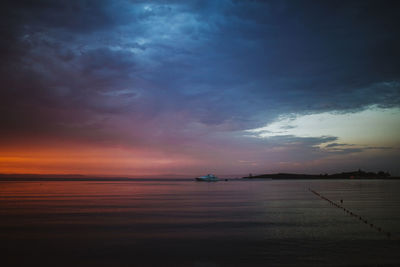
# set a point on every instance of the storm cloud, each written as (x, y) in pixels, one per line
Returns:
(176, 75)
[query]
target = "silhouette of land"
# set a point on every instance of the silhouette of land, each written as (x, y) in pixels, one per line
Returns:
(343, 175)
(78, 177)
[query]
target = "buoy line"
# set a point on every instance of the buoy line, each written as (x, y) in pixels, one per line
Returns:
(379, 229)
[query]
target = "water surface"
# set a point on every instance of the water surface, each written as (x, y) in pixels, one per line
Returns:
(188, 223)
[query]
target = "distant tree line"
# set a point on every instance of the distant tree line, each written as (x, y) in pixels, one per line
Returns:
(360, 174)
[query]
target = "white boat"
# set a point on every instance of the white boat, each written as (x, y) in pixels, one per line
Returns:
(207, 178)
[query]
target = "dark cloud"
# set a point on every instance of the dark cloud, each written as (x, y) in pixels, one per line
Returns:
(77, 16)
(338, 145)
(291, 140)
(167, 71)
(343, 149)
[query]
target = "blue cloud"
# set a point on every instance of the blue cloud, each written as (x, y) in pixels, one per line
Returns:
(227, 65)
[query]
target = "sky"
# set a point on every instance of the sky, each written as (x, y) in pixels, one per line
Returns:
(185, 88)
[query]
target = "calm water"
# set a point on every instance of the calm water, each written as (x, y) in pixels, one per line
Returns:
(187, 223)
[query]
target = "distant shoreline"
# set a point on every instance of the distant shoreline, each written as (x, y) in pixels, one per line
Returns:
(356, 175)
(314, 177)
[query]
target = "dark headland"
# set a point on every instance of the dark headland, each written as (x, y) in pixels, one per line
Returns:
(343, 175)
(290, 176)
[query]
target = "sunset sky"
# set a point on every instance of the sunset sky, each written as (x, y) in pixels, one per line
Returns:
(185, 88)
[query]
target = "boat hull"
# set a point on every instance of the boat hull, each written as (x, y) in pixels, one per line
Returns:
(200, 179)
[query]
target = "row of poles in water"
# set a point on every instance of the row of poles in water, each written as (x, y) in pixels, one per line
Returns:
(379, 229)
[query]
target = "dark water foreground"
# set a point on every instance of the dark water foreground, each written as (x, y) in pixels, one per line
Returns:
(187, 223)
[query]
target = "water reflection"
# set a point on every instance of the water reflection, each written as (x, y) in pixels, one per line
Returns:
(173, 221)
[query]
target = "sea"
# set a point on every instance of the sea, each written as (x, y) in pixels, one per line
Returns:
(181, 222)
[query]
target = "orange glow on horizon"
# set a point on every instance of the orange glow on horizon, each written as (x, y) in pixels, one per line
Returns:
(88, 160)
